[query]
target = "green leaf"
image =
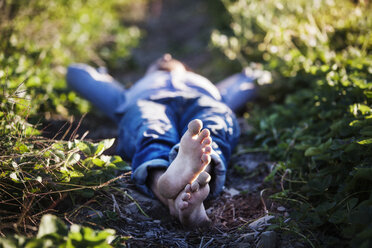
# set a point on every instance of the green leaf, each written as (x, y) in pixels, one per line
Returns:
(103, 146)
(98, 162)
(352, 203)
(9, 242)
(21, 148)
(363, 173)
(86, 237)
(50, 224)
(30, 131)
(320, 184)
(84, 147)
(325, 206)
(72, 159)
(75, 234)
(99, 149)
(340, 216)
(75, 173)
(14, 177)
(367, 131)
(359, 109)
(278, 167)
(312, 151)
(365, 142)
(119, 163)
(368, 93)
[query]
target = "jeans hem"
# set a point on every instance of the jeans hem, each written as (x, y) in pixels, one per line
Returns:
(140, 175)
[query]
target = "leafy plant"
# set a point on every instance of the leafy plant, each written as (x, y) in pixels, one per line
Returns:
(54, 233)
(37, 174)
(318, 124)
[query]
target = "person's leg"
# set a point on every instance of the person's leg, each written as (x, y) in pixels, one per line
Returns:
(146, 135)
(150, 131)
(237, 89)
(221, 122)
(99, 88)
(224, 131)
(149, 134)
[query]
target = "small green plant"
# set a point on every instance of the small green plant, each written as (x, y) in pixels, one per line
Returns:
(54, 233)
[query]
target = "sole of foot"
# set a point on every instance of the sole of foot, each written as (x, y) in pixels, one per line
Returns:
(192, 158)
(189, 206)
(166, 63)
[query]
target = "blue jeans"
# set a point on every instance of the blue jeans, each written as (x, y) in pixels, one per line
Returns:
(151, 125)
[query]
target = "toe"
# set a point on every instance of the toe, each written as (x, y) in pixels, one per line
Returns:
(207, 141)
(203, 179)
(185, 196)
(188, 188)
(167, 57)
(206, 158)
(195, 126)
(183, 205)
(195, 186)
(207, 150)
(203, 135)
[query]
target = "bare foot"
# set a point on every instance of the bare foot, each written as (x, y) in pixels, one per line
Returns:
(192, 158)
(166, 63)
(189, 207)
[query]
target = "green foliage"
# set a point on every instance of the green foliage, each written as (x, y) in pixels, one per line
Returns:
(36, 173)
(319, 123)
(40, 38)
(54, 233)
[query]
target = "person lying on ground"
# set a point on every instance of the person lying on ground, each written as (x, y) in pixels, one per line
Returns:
(175, 126)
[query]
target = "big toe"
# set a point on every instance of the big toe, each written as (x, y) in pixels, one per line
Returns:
(203, 178)
(167, 57)
(195, 126)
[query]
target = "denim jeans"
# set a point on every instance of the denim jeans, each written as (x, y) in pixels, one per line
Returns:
(153, 115)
